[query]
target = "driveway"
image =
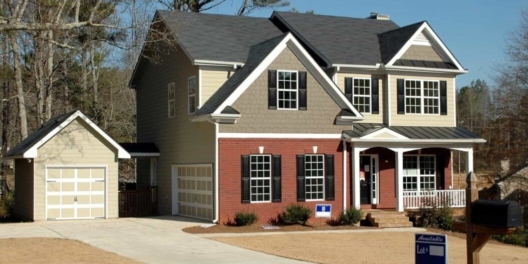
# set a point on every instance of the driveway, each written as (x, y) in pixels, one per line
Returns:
(151, 240)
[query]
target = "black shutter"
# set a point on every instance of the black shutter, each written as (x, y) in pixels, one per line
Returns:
(349, 89)
(401, 97)
(301, 190)
(375, 95)
(276, 183)
(440, 171)
(272, 89)
(303, 96)
(329, 178)
(245, 180)
(443, 97)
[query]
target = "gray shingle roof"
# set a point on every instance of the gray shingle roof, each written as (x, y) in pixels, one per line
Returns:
(256, 55)
(40, 133)
(391, 42)
(412, 132)
(340, 40)
(218, 37)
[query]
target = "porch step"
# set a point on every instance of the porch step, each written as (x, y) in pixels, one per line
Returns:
(388, 219)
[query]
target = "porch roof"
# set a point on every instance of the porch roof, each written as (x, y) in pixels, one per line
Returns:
(137, 150)
(365, 131)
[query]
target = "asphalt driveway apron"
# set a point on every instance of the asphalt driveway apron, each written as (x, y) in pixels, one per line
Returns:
(151, 240)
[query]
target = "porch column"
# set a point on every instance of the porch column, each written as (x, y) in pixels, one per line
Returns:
(355, 177)
(399, 180)
(469, 163)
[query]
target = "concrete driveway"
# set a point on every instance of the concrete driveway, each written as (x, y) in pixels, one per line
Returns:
(151, 240)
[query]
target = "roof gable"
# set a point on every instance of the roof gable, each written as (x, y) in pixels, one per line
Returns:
(28, 148)
(261, 56)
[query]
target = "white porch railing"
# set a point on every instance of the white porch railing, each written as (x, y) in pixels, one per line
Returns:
(415, 199)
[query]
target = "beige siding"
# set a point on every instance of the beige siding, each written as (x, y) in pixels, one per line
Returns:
(76, 144)
(369, 118)
(419, 52)
(212, 79)
(179, 140)
(256, 118)
(384, 135)
(24, 197)
(421, 119)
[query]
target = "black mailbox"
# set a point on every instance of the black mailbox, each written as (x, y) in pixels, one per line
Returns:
(496, 213)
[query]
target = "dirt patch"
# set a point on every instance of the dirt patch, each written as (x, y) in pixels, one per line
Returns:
(54, 250)
(258, 228)
(367, 247)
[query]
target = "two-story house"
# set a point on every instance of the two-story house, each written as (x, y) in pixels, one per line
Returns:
(255, 114)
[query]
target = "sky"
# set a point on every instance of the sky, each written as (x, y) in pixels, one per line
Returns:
(475, 31)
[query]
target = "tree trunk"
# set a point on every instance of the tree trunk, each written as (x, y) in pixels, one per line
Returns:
(5, 127)
(49, 76)
(95, 72)
(19, 88)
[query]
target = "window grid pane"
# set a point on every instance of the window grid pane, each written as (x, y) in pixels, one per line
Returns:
(431, 97)
(419, 173)
(191, 84)
(361, 100)
(287, 90)
(260, 178)
(314, 169)
(413, 100)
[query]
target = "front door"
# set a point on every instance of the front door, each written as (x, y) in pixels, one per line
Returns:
(365, 181)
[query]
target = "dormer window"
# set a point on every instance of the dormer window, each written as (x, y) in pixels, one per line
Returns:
(287, 92)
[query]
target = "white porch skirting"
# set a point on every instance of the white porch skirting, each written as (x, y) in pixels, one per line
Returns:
(415, 199)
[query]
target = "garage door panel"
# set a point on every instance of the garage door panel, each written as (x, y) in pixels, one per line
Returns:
(54, 200)
(54, 213)
(98, 186)
(84, 212)
(97, 212)
(68, 187)
(67, 213)
(97, 173)
(97, 199)
(68, 199)
(83, 199)
(83, 186)
(54, 187)
(195, 191)
(54, 173)
(68, 173)
(83, 174)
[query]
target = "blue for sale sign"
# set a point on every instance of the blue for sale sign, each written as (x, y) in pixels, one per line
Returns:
(430, 249)
(323, 210)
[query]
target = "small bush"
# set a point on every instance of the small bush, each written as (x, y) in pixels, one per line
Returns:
(435, 215)
(519, 237)
(295, 214)
(350, 216)
(7, 205)
(245, 218)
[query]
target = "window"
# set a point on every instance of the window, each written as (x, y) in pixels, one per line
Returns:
(419, 173)
(191, 83)
(422, 97)
(260, 178)
(361, 100)
(287, 89)
(314, 169)
(171, 99)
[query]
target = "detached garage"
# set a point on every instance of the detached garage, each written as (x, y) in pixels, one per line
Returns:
(67, 169)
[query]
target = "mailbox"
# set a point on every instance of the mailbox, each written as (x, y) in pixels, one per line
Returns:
(505, 214)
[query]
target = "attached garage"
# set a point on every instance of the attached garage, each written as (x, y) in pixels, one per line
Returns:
(67, 169)
(192, 191)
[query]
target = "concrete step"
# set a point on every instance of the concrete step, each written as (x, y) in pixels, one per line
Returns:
(386, 225)
(391, 220)
(388, 219)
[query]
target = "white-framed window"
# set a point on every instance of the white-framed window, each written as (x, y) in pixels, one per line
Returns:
(315, 173)
(422, 97)
(191, 84)
(419, 173)
(260, 178)
(361, 96)
(171, 99)
(287, 90)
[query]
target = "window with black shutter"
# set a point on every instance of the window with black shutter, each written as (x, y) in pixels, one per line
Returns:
(272, 89)
(315, 177)
(443, 97)
(401, 96)
(329, 178)
(261, 178)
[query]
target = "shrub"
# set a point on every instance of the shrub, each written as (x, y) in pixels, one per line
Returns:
(350, 216)
(519, 237)
(7, 203)
(245, 218)
(435, 215)
(295, 214)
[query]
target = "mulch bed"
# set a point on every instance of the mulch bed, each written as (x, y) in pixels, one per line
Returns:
(258, 228)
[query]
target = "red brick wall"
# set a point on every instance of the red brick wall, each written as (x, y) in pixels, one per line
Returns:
(230, 151)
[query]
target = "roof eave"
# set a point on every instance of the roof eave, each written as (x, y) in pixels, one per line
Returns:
(429, 141)
(422, 69)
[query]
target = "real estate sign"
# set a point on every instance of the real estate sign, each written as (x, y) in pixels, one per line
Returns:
(430, 249)
(323, 210)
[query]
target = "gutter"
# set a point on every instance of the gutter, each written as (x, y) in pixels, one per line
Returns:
(217, 196)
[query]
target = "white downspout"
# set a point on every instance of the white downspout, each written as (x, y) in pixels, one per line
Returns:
(452, 186)
(217, 207)
(344, 175)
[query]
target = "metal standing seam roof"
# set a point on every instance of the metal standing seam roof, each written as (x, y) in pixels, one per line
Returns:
(341, 40)
(39, 134)
(218, 37)
(412, 132)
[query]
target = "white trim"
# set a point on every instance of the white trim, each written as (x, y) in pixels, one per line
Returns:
(174, 186)
(216, 194)
(454, 103)
(144, 154)
(279, 135)
(199, 88)
(217, 63)
(373, 135)
(427, 31)
(319, 74)
(32, 152)
(358, 66)
(344, 174)
(412, 141)
(389, 95)
(422, 70)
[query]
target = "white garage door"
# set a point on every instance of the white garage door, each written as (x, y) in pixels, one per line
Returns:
(192, 191)
(75, 192)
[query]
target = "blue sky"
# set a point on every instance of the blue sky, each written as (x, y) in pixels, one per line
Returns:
(474, 30)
